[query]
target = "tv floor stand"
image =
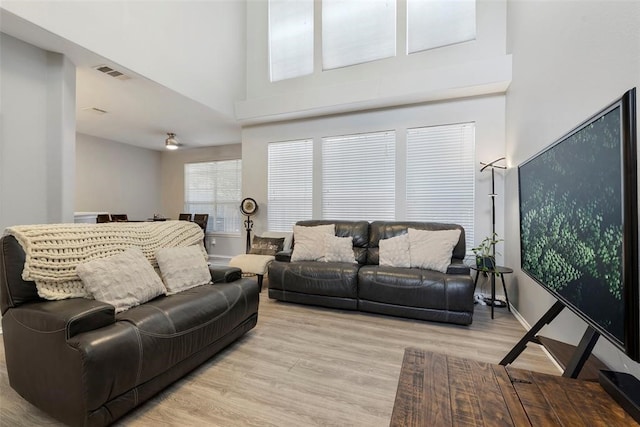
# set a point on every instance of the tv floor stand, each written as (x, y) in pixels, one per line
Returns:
(623, 388)
(581, 354)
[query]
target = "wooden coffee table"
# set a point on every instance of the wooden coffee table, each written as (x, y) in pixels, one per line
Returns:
(439, 390)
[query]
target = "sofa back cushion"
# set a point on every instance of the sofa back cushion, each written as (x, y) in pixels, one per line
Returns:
(386, 229)
(358, 230)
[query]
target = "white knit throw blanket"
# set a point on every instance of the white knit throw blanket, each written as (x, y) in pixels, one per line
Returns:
(54, 250)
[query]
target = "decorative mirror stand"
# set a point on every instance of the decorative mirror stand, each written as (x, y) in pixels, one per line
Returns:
(248, 207)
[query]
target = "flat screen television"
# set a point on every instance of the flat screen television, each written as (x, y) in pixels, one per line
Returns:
(579, 222)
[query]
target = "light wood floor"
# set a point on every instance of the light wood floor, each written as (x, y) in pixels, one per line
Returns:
(306, 366)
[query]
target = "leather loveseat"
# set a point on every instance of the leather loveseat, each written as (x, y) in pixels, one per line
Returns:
(85, 365)
(367, 286)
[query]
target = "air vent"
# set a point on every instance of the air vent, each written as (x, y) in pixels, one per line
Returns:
(95, 110)
(111, 72)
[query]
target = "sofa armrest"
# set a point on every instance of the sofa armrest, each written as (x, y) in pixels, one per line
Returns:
(225, 274)
(74, 316)
(284, 256)
(458, 267)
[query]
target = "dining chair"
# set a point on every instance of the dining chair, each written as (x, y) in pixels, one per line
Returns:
(201, 220)
(119, 218)
(184, 217)
(102, 218)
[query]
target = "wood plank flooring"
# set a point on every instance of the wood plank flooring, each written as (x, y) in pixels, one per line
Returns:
(306, 366)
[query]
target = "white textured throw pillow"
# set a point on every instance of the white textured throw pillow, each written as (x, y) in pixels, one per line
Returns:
(308, 242)
(123, 280)
(183, 268)
(338, 249)
(394, 252)
(431, 249)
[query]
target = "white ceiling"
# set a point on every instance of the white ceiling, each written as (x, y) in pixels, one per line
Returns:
(140, 112)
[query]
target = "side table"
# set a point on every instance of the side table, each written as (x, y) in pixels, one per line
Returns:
(496, 271)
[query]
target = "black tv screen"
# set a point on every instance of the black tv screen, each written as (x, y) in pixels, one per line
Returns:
(578, 222)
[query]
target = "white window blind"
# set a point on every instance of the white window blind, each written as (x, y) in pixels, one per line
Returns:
(358, 176)
(356, 31)
(437, 23)
(440, 175)
(214, 188)
(290, 38)
(290, 183)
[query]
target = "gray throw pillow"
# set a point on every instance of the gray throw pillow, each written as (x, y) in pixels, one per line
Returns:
(266, 245)
(183, 268)
(123, 280)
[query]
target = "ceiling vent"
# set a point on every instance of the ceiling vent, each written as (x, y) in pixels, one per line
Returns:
(111, 72)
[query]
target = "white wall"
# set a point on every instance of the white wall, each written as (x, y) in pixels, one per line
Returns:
(117, 178)
(466, 69)
(570, 60)
(37, 125)
(172, 181)
(487, 112)
(195, 48)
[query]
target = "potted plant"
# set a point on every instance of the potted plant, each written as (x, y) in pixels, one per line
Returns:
(485, 253)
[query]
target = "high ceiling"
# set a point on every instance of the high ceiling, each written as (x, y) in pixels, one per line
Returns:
(139, 111)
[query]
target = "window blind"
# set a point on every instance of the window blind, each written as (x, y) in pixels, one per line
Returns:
(440, 175)
(290, 183)
(358, 176)
(290, 38)
(215, 188)
(437, 23)
(356, 31)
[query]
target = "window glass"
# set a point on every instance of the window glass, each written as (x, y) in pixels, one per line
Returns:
(437, 23)
(290, 183)
(215, 188)
(358, 176)
(290, 38)
(440, 175)
(356, 31)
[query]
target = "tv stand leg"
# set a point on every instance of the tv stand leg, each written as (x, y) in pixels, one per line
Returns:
(582, 352)
(531, 335)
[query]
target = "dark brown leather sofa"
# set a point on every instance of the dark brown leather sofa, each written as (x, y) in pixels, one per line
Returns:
(86, 366)
(366, 286)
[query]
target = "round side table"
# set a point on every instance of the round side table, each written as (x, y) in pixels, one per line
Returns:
(496, 271)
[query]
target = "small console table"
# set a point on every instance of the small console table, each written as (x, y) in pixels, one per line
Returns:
(439, 390)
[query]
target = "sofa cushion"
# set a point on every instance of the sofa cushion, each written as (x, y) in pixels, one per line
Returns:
(414, 287)
(123, 280)
(309, 242)
(430, 249)
(174, 327)
(183, 268)
(337, 279)
(394, 252)
(338, 249)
